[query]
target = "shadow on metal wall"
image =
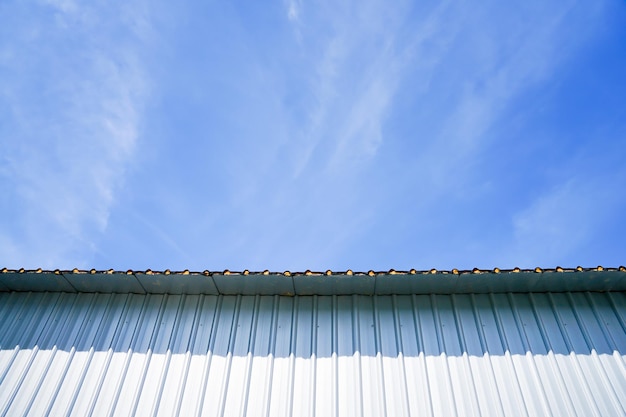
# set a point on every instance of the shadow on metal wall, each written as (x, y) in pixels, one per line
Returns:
(320, 326)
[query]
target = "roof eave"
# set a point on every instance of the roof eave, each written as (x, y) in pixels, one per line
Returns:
(317, 283)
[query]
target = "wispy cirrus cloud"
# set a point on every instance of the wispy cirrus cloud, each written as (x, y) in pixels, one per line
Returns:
(463, 69)
(293, 10)
(357, 64)
(567, 220)
(291, 135)
(74, 97)
(463, 66)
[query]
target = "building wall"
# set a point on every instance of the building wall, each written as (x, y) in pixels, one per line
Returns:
(465, 354)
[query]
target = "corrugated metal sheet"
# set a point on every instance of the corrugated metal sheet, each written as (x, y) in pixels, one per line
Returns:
(213, 355)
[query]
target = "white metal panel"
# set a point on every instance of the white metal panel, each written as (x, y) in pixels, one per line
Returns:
(349, 355)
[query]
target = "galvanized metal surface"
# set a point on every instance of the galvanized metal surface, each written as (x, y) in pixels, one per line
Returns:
(197, 355)
(317, 283)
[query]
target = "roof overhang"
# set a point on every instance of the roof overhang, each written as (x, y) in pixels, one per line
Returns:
(316, 283)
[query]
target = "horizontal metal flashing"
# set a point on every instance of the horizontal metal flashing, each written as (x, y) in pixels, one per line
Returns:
(316, 283)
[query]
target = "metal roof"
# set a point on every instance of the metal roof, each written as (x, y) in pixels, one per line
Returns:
(317, 283)
(525, 354)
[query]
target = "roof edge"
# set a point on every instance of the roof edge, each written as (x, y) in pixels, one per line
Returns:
(316, 282)
(309, 272)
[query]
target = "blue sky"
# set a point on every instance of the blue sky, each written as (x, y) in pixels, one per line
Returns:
(293, 135)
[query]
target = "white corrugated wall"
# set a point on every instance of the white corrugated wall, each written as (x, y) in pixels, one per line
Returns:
(192, 355)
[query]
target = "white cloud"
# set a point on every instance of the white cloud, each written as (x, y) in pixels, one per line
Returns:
(463, 66)
(293, 10)
(370, 50)
(316, 110)
(73, 131)
(356, 73)
(65, 6)
(557, 223)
